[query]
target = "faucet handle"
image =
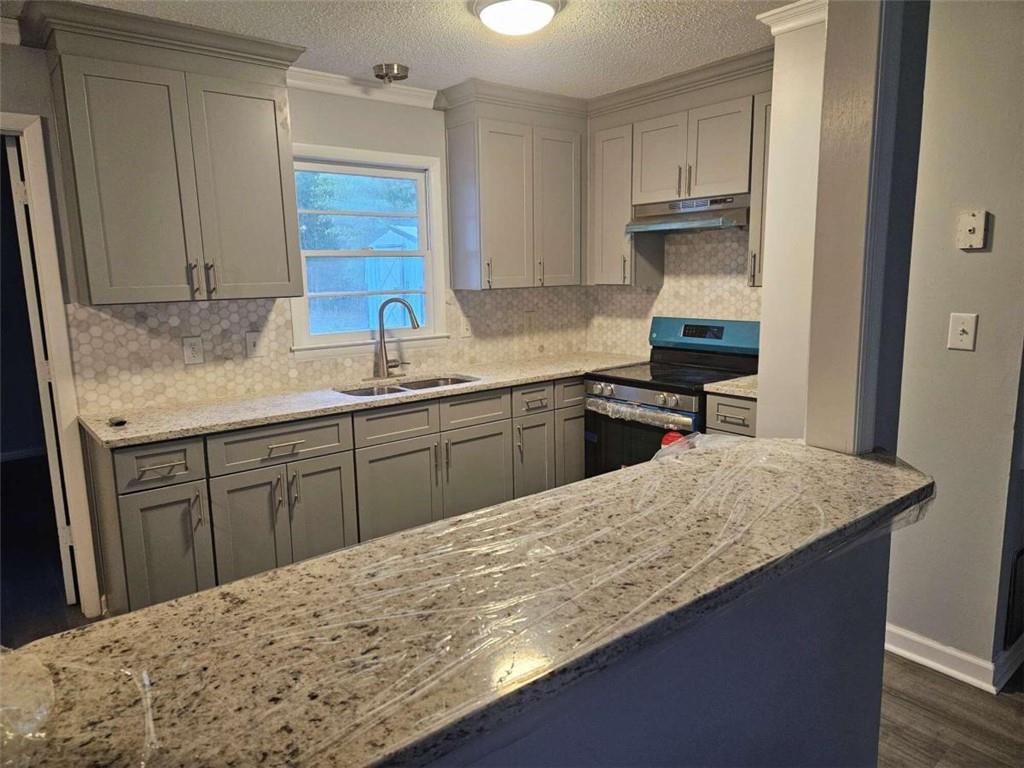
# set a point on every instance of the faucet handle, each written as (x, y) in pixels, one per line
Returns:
(396, 363)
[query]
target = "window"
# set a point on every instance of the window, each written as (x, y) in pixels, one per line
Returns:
(365, 235)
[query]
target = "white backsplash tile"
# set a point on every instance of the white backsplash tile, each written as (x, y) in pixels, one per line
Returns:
(130, 356)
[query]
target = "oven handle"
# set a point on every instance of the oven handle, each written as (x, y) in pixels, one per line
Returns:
(655, 417)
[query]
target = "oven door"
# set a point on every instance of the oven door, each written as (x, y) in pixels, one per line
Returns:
(620, 441)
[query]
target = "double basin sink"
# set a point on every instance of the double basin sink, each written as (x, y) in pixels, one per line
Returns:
(407, 386)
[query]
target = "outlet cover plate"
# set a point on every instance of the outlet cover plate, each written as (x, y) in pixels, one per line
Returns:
(193, 349)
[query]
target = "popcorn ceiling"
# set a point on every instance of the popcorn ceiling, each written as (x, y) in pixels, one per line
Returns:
(128, 357)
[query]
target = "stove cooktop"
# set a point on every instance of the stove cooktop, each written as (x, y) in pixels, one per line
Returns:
(671, 378)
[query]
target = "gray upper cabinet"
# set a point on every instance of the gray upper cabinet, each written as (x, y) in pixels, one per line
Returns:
(477, 467)
(176, 149)
(168, 552)
(251, 530)
(556, 206)
(242, 145)
(659, 158)
(506, 203)
(137, 207)
(322, 505)
(399, 485)
(718, 149)
(534, 459)
(758, 179)
(570, 446)
(609, 250)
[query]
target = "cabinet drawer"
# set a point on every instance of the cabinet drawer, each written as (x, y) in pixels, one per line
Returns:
(159, 464)
(732, 414)
(532, 398)
(397, 422)
(263, 446)
(475, 408)
(569, 392)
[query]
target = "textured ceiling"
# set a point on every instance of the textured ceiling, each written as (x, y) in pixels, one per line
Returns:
(591, 48)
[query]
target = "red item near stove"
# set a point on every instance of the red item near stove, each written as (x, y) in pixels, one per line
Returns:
(671, 437)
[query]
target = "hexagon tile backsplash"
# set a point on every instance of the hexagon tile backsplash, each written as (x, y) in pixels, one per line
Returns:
(129, 357)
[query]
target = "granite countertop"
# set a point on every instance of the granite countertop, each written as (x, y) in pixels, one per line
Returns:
(157, 424)
(744, 386)
(401, 647)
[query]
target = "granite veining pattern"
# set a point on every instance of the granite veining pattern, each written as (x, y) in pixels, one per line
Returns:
(155, 424)
(398, 648)
(744, 386)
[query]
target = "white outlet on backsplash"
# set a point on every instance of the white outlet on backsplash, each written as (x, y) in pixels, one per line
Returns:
(253, 347)
(193, 349)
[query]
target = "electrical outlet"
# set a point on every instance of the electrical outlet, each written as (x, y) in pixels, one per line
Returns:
(252, 344)
(963, 328)
(467, 331)
(193, 347)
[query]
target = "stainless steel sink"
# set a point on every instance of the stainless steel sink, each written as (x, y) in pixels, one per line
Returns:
(374, 391)
(445, 381)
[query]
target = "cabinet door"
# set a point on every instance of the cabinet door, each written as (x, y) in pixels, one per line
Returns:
(534, 458)
(134, 181)
(718, 150)
(399, 485)
(556, 206)
(477, 467)
(609, 248)
(659, 159)
(168, 551)
(242, 145)
(506, 204)
(758, 179)
(570, 445)
(322, 504)
(250, 522)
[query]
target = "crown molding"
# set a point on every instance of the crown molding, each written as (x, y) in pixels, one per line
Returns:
(723, 71)
(9, 32)
(340, 85)
(41, 18)
(798, 15)
(482, 91)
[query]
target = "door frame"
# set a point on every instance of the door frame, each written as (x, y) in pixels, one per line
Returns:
(64, 445)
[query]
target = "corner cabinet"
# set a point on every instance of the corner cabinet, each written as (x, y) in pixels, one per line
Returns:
(515, 184)
(177, 164)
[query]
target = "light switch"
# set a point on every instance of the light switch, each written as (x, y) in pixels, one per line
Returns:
(963, 328)
(971, 230)
(193, 347)
(252, 344)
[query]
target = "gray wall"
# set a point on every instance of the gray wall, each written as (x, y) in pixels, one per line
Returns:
(958, 408)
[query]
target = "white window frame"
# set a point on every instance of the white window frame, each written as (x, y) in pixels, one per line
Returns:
(435, 278)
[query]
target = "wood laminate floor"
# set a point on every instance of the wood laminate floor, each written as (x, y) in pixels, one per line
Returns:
(932, 721)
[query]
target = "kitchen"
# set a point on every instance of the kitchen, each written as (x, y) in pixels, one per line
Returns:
(578, 276)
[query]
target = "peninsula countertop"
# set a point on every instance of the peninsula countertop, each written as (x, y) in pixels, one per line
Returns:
(744, 386)
(406, 646)
(156, 424)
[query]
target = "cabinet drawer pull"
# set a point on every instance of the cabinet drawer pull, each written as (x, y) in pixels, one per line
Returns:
(293, 444)
(293, 481)
(211, 276)
(168, 465)
(278, 496)
(726, 419)
(199, 517)
(623, 268)
(448, 459)
(689, 179)
(679, 181)
(193, 287)
(437, 465)
(519, 440)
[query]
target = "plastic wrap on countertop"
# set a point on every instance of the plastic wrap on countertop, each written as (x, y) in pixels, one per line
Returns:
(344, 659)
(638, 413)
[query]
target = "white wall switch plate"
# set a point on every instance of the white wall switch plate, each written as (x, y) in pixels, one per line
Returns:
(253, 348)
(193, 346)
(963, 327)
(971, 230)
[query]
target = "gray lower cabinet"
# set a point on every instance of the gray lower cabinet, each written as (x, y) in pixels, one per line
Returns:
(534, 453)
(570, 446)
(251, 533)
(321, 502)
(165, 534)
(399, 485)
(477, 467)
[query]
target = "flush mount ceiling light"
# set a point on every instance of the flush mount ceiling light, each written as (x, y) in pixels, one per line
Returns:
(516, 17)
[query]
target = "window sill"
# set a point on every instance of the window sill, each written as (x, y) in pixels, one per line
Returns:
(346, 348)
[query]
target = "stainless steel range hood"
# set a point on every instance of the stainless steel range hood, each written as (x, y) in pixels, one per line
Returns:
(724, 212)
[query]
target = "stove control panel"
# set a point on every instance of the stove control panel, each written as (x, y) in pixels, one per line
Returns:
(643, 396)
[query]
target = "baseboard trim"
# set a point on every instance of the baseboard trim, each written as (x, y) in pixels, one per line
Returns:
(1007, 662)
(942, 658)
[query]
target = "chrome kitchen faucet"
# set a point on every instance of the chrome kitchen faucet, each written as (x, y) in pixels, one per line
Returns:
(381, 365)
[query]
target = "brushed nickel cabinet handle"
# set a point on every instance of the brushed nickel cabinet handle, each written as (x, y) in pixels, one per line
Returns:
(168, 465)
(293, 483)
(278, 496)
(679, 181)
(448, 459)
(211, 276)
(541, 264)
(623, 269)
(490, 283)
(437, 465)
(519, 440)
(190, 274)
(753, 268)
(689, 179)
(199, 518)
(292, 444)
(726, 419)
